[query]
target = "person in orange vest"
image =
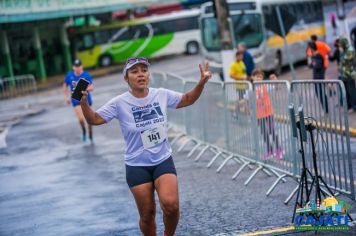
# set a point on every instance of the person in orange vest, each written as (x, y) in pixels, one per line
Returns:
(322, 47)
(265, 119)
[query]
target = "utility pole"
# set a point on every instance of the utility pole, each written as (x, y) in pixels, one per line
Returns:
(223, 23)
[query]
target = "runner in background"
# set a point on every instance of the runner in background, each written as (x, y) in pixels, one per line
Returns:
(70, 82)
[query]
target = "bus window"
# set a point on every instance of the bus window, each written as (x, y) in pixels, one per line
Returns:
(318, 12)
(248, 29)
(88, 41)
(186, 24)
(83, 42)
(211, 35)
(102, 36)
(162, 28)
(140, 31)
(121, 34)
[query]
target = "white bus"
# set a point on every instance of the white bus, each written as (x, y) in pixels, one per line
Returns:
(153, 36)
(252, 24)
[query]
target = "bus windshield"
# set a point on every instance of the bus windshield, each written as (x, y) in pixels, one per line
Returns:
(247, 28)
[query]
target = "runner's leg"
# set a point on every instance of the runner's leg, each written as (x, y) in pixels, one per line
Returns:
(90, 132)
(145, 202)
(167, 189)
(79, 113)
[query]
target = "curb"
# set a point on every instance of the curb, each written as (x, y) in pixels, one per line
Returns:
(3, 135)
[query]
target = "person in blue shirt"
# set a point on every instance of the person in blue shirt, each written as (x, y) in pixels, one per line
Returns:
(70, 82)
(248, 59)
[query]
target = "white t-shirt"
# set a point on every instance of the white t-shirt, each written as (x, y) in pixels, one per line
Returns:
(138, 116)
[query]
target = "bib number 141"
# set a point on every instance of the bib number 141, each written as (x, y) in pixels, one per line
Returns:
(154, 136)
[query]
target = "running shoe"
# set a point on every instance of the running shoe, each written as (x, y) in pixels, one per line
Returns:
(84, 138)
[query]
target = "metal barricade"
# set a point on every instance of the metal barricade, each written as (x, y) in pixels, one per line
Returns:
(324, 104)
(16, 86)
(278, 148)
(157, 79)
(274, 135)
(250, 123)
(195, 116)
(239, 119)
(214, 114)
(194, 119)
(176, 117)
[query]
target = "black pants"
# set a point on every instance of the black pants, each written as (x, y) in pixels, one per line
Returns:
(267, 128)
(350, 93)
(321, 94)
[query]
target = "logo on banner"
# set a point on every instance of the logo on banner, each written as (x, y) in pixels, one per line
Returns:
(330, 214)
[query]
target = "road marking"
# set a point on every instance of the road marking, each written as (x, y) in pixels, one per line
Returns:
(3, 135)
(271, 231)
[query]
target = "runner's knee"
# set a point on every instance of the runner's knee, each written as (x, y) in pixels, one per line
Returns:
(147, 216)
(170, 206)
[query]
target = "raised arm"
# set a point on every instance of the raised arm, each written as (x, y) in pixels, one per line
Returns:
(91, 116)
(190, 97)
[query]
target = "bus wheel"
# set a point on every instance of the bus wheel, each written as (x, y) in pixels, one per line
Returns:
(278, 63)
(192, 48)
(105, 61)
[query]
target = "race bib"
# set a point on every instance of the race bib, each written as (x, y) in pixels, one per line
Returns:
(154, 136)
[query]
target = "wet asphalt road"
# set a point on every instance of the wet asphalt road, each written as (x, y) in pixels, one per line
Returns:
(53, 184)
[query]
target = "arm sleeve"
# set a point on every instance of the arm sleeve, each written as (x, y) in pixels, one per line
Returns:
(108, 111)
(173, 98)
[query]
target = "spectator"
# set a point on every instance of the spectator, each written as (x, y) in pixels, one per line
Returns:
(272, 77)
(347, 71)
(333, 22)
(317, 63)
(238, 67)
(322, 48)
(353, 36)
(238, 73)
(265, 119)
(336, 54)
(247, 59)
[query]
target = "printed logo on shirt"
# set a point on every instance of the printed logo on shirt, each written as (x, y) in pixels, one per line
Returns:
(147, 115)
(74, 84)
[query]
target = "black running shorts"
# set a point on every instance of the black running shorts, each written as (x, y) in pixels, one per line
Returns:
(136, 175)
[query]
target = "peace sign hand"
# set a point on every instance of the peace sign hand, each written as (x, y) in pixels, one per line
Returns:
(205, 74)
